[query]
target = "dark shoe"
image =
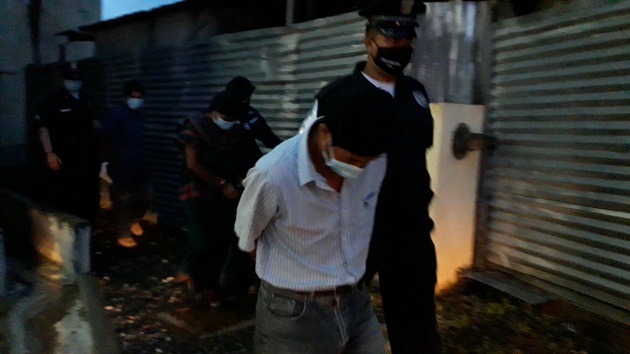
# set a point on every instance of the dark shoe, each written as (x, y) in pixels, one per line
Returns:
(213, 297)
(192, 285)
(182, 277)
(252, 290)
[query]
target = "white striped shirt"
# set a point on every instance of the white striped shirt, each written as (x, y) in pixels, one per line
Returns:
(309, 236)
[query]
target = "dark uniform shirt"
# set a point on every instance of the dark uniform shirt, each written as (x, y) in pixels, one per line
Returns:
(259, 128)
(70, 125)
(405, 195)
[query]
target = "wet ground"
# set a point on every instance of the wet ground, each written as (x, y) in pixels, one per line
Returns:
(153, 314)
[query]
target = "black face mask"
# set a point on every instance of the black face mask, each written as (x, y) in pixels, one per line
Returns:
(393, 60)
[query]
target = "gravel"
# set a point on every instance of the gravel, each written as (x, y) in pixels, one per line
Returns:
(154, 314)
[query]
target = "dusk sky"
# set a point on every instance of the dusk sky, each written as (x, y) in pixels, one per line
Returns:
(116, 8)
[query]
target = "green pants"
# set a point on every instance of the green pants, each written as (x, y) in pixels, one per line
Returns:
(210, 232)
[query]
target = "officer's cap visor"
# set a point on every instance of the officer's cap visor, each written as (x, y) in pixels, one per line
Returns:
(71, 75)
(397, 32)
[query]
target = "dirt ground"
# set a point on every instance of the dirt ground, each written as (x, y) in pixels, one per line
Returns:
(153, 314)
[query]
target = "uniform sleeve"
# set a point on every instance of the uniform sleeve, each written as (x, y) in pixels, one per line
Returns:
(430, 127)
(263, 132)
(44, 113)
(187, 135)
(257, 207)
(428, 118)
(92, 106)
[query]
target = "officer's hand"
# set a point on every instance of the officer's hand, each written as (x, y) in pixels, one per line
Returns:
(53, 161)
(252, 254)
(230, 192)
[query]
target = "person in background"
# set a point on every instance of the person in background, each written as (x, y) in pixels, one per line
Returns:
(68, 125)
(123, 133)
(218, 154)
(243, 89)
(240, 269)
(306, 215)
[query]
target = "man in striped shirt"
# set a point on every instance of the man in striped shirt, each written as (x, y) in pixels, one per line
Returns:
(307, 214)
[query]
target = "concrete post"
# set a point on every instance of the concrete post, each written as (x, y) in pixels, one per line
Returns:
(454, 182)
(82, 248)
(3, 267)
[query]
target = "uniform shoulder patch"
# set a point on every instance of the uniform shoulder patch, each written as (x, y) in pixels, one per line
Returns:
(421, 99)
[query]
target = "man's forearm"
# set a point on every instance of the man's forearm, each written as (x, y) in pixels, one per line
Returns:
(267, 136)
(44, 138)
(207, 176)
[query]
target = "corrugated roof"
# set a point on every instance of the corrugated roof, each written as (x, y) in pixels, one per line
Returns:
(142, 15)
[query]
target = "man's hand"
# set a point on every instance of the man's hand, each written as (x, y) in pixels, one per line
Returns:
(229, 191)
(53, 161)
(103, 174)
(252, 254)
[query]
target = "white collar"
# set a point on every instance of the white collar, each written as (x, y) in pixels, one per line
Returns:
(389, 87)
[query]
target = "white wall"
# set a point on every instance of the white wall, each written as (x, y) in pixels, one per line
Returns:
(454, 183)
(15, 52)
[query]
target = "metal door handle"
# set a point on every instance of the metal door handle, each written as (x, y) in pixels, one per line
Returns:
(464, 141)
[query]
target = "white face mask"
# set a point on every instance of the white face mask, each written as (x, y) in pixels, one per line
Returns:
(72, 85)
(343, 169)
(223, 124)
(134, 103)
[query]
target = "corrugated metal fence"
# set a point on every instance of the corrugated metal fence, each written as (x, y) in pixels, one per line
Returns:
(556, 193)
(287, 64)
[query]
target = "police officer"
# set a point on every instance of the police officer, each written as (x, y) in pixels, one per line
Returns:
(402, 251)
(67, 131)
(243, 89)
(255, 124)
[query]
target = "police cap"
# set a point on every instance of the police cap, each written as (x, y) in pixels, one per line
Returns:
(393, 18)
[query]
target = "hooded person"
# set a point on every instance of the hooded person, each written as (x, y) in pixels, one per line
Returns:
(243, 89)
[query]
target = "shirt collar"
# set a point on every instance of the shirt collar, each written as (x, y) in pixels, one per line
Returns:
(361, 80)
(306, 170)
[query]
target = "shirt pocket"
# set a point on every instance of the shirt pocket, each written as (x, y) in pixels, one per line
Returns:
(365, 212)
(370, 199)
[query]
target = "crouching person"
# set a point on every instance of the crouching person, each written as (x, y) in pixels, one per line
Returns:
(306, 215)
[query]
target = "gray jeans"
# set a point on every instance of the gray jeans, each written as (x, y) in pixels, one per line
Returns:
(291, 323)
